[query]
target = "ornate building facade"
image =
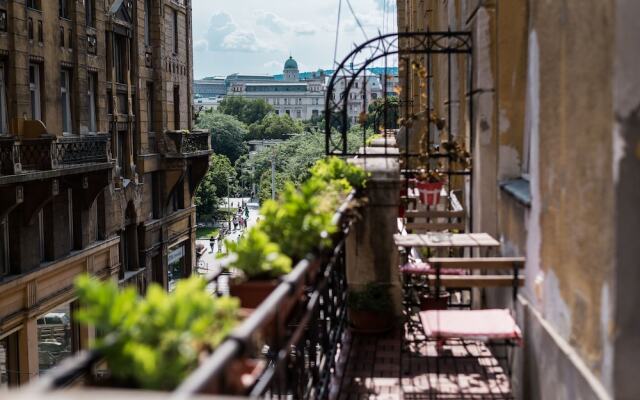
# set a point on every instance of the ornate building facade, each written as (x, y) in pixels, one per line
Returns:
(97, 170)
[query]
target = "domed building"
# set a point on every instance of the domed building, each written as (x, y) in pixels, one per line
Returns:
(291, 71)
(302, 95)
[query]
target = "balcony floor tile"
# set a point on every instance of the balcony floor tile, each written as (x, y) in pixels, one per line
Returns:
(377, 368)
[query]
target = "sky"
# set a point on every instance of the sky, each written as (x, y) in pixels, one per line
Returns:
(257, 36)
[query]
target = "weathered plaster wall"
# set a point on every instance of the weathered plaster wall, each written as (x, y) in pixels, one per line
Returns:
(626, 178)
(576, 253)
(543, 89)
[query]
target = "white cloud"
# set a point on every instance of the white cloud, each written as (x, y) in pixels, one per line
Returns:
(279, 25)
(223, 35)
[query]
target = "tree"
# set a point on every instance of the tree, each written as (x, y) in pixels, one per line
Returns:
(275, 127)
(293, 158)
(377, 113)
(245, 110)
(221, 171)
(227, 134)
(214, 186)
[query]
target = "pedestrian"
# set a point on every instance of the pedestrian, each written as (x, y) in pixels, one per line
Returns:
(212, 242)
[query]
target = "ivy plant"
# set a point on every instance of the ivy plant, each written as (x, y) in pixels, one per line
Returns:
(154, 341)
(258, 257)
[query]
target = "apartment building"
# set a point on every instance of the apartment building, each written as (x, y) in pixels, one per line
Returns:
(97, 165)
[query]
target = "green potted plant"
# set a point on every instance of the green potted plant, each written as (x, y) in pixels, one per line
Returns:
(301, 221)
(154, 342)
(370, 309)
(260, 263)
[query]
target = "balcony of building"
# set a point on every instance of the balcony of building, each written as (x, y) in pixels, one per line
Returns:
(184, 144)
(33, 153)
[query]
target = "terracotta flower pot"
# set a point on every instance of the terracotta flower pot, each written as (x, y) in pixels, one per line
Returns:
(252, 293)
(370, 321)
(430, 302)
(430, 192)
(242, 374)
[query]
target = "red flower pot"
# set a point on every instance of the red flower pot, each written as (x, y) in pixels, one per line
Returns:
(430, 192)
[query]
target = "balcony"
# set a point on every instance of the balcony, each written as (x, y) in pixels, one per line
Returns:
(183, 144)
(21, 158)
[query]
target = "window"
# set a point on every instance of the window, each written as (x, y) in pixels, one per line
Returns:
(30, 28)
(34, 89)
(10, 366)
(277, 112)
(155, 195)
(91, 98)
(40, 32)
(176, 107)
(176, 265)
(64, 8)
(120, 151)
(61, 37)
(35, 4)
(298, 114)
(70, 215)
(57, 336)
(3, 20)
(90, 13)
(4, 248)
(120, 53)
(65, 101)
(147, 22)
(3, 103)
(314, 113)
(150, 107)
(70, 41)
(175, 32)
(288, 112)
(43, 254)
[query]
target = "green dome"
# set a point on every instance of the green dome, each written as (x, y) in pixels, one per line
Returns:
(291, 64)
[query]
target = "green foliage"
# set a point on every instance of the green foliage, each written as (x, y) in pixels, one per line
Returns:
(374, 297)
(274, 126)
(297, 220)
(227, 134)
(258, 257)
(264, 188)
(214, 187)
(377, 113)
(293, 159)
(245, 110)
(157, 338)
(221, 171)
(334, 168)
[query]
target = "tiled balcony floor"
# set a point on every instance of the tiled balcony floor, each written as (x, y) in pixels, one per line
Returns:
(376, 368)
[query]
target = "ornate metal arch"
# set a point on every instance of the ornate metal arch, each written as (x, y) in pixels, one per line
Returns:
(355, 65)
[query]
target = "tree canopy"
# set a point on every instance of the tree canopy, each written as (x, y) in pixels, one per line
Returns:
(275, 127)
(214, 186)
(227, 134)
(245, 110)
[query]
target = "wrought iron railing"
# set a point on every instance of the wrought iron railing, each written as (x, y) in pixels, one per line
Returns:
(297, 352)
(37, 154)
(9, 156)
(82, 150)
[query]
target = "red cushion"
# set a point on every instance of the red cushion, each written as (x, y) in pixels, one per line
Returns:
(481, 325)
(415, 268)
